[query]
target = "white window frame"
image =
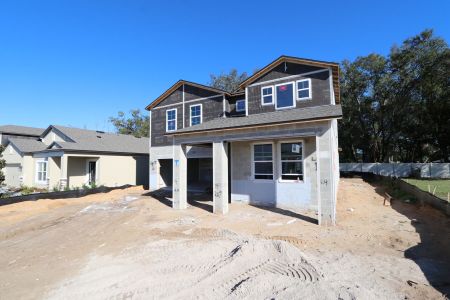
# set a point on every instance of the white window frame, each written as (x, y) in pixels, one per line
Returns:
(241, 110)
(293, 95)
(297, 89)
(37, 171)
(262, 95)
(280, 162)
(252, 149)
(167, 119)
(190, 113)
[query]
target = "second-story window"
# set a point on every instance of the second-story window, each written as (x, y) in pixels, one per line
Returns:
(196, 114)
(267, 95)
(304, 89)
(171, 119)
(240, 105)
(284, 95)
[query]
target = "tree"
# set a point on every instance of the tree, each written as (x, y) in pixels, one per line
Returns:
(227, 82)
(137, 124)
(397, 108)
(2, 164)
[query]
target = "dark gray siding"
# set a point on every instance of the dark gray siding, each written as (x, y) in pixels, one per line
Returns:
(319, 83)
(193, 92)
(159, 125)
(211, 108)
(232, 105)
(175, 97)
(291, 69)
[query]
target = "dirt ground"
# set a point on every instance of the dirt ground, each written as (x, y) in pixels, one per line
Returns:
(128, 245)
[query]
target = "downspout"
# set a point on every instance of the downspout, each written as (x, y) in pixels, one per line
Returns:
(183, 105)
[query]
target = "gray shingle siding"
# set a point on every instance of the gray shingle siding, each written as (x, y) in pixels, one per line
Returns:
(280, 72)
(211, 108)
(193, 92)
(175, 97)
(158, 120)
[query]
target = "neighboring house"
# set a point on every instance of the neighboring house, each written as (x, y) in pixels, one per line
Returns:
(273, 142)
(64, 156)
(18, 132)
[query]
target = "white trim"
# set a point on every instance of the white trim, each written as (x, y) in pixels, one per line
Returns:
(241, 110)
(262, 95)
(280, 162)
(246, 101)
(224, 106)
(167, 120)
(190, 113)
(189, 101)
(183, 106)
(293, 96)
(36, 176)
(252, 150)
(330, 78)
(288, 77)
(309, 89)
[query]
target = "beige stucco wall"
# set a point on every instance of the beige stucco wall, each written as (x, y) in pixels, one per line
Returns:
(13, 168)
(51, 137)
(116, 170)
(28, 167)
(11, 156)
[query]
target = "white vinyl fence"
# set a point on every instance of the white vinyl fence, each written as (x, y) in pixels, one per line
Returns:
(428, 170)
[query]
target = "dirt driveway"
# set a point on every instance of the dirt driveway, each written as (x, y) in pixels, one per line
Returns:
(126, 245)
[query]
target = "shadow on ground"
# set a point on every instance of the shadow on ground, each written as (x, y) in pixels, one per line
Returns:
(199, 200)
(432, 254)
(287, 213)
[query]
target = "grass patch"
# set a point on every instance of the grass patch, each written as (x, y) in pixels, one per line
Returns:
(440, 187)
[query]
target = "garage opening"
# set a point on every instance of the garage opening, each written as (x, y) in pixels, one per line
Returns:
(166, 172)
(200, 182)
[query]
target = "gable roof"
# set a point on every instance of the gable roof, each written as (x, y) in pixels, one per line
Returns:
(269, 118)
(98, 141)
(27, 145)
(21, 130)
(176, 86)
(325, 64)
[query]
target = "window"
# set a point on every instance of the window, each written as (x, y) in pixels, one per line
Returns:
(284, 95)
(267, 95)
(240, 105)
(291, 161)
(41, 171)
(262, 161)
(304, 89)
(171, 120)
(196, 114)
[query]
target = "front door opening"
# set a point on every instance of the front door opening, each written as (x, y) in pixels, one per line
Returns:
(92, 172)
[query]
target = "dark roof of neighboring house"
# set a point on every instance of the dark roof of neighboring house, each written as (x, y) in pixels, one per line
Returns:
(99, 141)
(284, 58)
(177, 85)
(270, 118)
(21, 130)
(27, 145)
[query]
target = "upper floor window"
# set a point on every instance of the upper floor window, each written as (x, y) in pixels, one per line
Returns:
(304, 89)
(267, 95)
(263, 161)
(41, 172)
(171, 119)
(284, 95)
(240, 105)
(196, 114)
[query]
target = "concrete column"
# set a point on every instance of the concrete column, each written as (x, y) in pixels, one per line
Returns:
(63, 177)
(179, 184)
(220, 178)
(326, 178)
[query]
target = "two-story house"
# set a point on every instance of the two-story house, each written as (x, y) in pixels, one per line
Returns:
(273, 142)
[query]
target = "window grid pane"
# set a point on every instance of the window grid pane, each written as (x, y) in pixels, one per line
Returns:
(263, 164)
(284, 95)
(291, 161)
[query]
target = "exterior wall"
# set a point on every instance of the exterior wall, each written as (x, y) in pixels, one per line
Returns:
(116, 170)
(28, 170)
(320, 85)
(182, 99)
(232, 106)
(76, 171)
(273, 192)
(53, 136)
(54, 174)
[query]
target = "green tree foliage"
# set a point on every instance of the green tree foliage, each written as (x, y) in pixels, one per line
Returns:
(227, 82)
(2, 164)
(397, 108)
(136, 124)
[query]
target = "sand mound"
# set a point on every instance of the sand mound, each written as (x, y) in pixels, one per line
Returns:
(225, 266)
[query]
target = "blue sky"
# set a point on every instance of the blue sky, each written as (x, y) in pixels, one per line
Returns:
(78, 62)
